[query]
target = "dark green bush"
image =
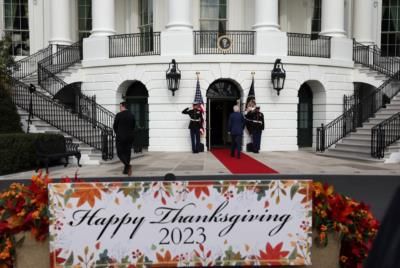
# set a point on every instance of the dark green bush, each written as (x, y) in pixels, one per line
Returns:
(17, 151)
(10, 121)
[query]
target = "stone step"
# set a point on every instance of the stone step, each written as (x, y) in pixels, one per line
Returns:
(353, 148)
(349, 156)
(353, 141)
(363, 131)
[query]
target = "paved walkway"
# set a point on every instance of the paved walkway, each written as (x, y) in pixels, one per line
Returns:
(183, 163)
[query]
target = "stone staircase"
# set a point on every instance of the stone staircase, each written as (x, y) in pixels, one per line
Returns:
(366, 75)
(90, 155)
(357, 145)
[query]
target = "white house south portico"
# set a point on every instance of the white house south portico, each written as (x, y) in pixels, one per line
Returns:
(129, 45)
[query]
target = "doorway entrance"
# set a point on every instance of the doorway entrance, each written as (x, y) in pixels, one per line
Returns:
(137, 102)
(222, 95)
(305, 117)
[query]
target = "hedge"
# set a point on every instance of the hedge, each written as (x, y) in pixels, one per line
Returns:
(17, 151)
(10, 121)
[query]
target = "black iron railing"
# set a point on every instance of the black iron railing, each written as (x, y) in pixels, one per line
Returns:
(229, 42)
(384, 134)
(309, 45)
(28, 65)
(131, 45)
(349, 101)
(356, 110)
(370, 56)
(329, 134)
(57, 62)
(96, 135)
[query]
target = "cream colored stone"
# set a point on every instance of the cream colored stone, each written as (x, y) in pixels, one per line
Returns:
(32, 254)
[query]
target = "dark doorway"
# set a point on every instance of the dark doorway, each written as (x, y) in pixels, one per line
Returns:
(137, 102)
(220, 111)
(305, 117)
(222, 95)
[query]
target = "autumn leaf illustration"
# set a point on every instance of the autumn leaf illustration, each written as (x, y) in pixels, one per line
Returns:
(166, 260)
(272, 255)
(200, 187)
(86, 193)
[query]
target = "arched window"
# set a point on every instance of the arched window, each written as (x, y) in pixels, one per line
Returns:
(223, 89)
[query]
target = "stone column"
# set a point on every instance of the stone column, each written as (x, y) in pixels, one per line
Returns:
(178, 37)
(60, 22)
(332, 18)
(266, 15)
(362, 24)
(269, 38)
(103, 18)
(180, 15)
(103, 22)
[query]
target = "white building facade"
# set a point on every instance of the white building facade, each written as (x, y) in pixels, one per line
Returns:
(129, 44)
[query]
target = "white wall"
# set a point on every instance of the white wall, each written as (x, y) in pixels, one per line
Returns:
(168, 127)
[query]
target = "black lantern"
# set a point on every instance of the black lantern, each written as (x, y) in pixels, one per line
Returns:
(173, 77)
(278, 76)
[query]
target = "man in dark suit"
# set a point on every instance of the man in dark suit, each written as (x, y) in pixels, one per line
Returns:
(235, 126)
(194, 126)
(124, 125)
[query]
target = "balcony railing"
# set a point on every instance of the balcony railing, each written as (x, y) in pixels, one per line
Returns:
(309, 45)
(384, 134)
(229, 42)
(132, 45)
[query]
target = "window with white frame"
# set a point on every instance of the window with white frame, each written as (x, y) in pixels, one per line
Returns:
(213, 22)
(390, 34)
(85, 18)
(16, 25)
(146, 24)
(213, 15)
(316, 19)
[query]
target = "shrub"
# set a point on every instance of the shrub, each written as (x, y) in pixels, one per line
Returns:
(17, 151)
(10, 121)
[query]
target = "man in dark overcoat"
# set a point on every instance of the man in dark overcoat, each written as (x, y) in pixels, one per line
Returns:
(236, 125)
(124, 125)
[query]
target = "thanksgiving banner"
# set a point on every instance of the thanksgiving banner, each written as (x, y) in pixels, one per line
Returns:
(180, 223)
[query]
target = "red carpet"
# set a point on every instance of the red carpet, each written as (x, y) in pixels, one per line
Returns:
(244, 165)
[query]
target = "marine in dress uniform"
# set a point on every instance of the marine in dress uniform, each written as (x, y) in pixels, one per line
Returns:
(257, 120)
(194, 126)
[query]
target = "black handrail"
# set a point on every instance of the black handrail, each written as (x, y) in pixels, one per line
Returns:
(96, 135)
(329, 134)
(138, 44)
(370, 56)
(362, 109)
(309, 45)
(28, 65)
(384, 134)
(241, 42)
(86, 107)
(57, 62)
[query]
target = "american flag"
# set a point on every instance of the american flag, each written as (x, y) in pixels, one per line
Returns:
(198, 99)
